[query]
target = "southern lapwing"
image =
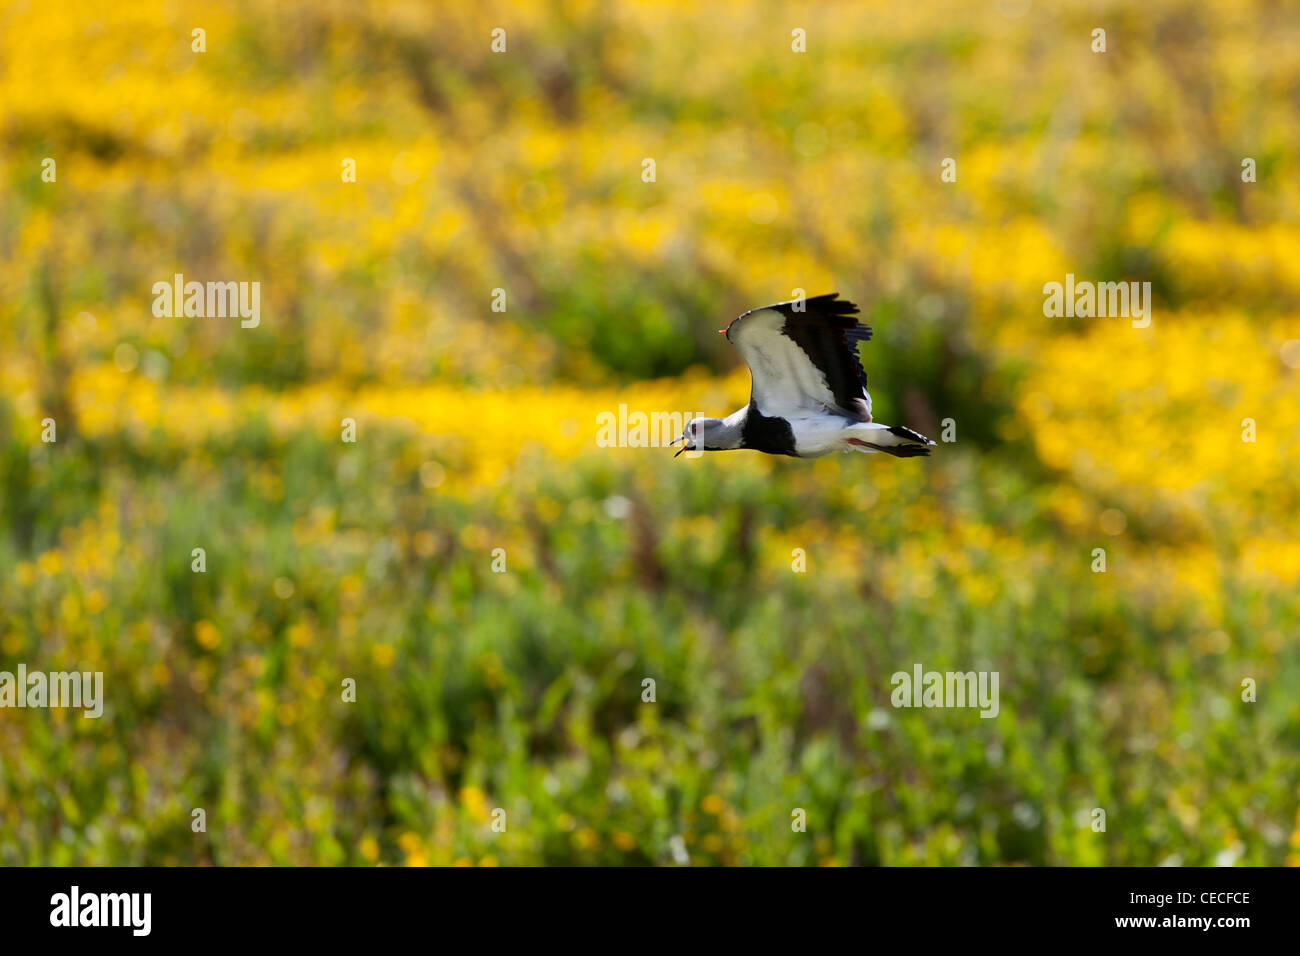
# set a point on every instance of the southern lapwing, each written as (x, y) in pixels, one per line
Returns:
(809, 392)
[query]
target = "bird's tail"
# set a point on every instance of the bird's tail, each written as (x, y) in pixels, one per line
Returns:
(896, 440)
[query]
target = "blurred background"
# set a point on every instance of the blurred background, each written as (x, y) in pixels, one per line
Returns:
(476, 431)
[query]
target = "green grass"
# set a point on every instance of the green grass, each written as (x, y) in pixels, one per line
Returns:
(772, 687)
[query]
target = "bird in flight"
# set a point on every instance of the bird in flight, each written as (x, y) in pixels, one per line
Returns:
(809, 391)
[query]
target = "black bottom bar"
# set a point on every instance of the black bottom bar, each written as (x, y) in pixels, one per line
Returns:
(333, 906)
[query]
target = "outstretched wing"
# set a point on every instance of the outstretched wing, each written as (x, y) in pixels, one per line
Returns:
(805, 363)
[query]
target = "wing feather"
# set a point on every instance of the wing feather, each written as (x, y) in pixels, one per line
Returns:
(805, 363)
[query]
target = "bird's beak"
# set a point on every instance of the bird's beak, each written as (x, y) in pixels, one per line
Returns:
(680, 450)
(722, 331)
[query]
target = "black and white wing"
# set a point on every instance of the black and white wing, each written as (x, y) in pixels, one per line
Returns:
(805, 363)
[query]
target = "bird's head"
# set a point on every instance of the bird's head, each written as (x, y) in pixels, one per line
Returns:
(703, 434)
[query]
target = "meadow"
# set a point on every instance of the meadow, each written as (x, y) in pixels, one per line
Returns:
(497, 584)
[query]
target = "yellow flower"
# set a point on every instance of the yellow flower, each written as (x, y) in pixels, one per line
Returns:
(206, 633)
(50, 563)
(370, 849)
(299, 635)
(475, 802)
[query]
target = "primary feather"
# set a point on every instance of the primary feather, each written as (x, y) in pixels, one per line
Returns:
(803, 357)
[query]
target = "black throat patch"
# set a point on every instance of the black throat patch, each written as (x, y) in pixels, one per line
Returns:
(771, 435)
